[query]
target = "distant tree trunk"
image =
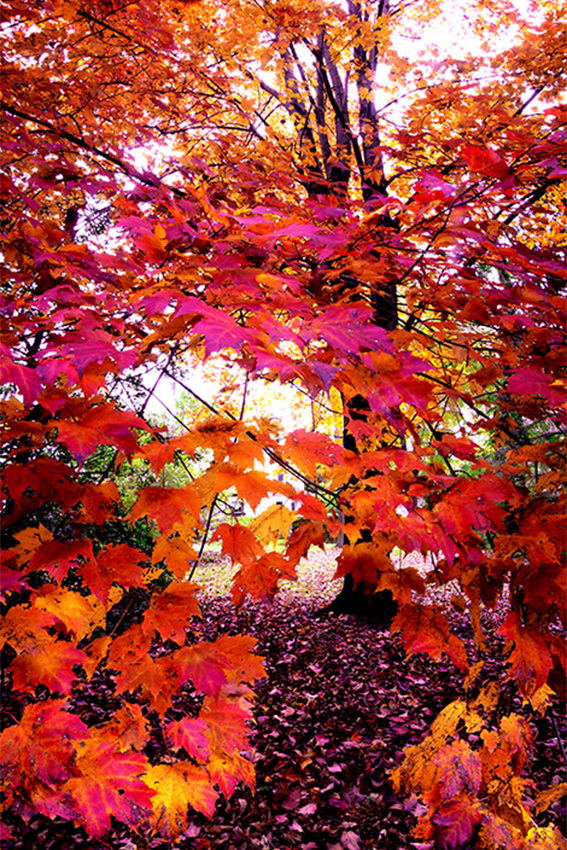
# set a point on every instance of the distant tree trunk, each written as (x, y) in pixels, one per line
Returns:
(328, 146)
(362, 601)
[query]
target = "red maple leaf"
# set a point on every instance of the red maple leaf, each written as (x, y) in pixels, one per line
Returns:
(58, 556)
(39, 747)
(108, 783)
(530, 658)
(26, 380)
(203, 665)
(529, 381)
(189, 733)
(100, 425)
(459, 769)
(456, 823)
(426, 629)
(116, 564)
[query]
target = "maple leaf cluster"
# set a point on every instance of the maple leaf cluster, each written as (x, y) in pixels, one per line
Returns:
(410, 274)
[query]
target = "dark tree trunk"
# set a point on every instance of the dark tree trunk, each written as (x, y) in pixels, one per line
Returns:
(327, 147)
(361, 601)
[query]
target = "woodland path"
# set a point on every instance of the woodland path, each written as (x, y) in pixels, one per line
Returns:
(338, 707)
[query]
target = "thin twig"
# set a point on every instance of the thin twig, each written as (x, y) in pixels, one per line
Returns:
(205, 537)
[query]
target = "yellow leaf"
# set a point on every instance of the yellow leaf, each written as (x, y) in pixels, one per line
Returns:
(446, 722)
(31, 539)
(545, 799)
(541, 698)
(473, 674)
(272, 524)
(176, 787)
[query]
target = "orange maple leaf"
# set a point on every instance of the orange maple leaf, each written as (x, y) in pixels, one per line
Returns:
(166, 506)
(177, 553)
(260, 578)
(127, 730)
(118, 564)
(79, 615)
(226, 724)
(43, 660)
(170, 612)
(238, 542)
(228, 771)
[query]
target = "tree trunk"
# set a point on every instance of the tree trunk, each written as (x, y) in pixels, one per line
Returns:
(360, 600)
(328, 146)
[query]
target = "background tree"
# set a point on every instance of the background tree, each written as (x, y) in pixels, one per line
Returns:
(218, 180)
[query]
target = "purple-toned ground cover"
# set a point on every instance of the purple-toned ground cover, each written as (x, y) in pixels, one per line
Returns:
(339, 705)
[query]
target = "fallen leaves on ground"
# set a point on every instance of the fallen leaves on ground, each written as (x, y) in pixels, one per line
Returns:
(339, 705)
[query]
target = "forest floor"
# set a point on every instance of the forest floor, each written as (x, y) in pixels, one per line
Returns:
(339, 705)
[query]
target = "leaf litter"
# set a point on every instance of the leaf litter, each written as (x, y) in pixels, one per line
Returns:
(340, 704)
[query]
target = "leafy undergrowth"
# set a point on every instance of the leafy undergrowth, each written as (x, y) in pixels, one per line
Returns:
(339, 705)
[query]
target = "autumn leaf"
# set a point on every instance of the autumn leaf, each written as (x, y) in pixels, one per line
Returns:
(529, 381)
(170, 612)
(239, 542)
(202, 665)
(116, 564)
(306, 449)
(241, 664)
(177, 553)
(426, 629)
(26, 380)
(402, 583)
(157, 678)
(78, 614)
(166, 506)
(260, 578)
(226, 724)
(108, 783)
(42, 659)
(302, 538)
(127, 730)
(102, 424)
(96, 650)
(530, 658)
(227, 772)
(58, 556)
(456, 823)
(459, 770)
(189, 734)
(251, 486)
(177, 787)
(545, 799)
(39, 747)
(272, 524)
